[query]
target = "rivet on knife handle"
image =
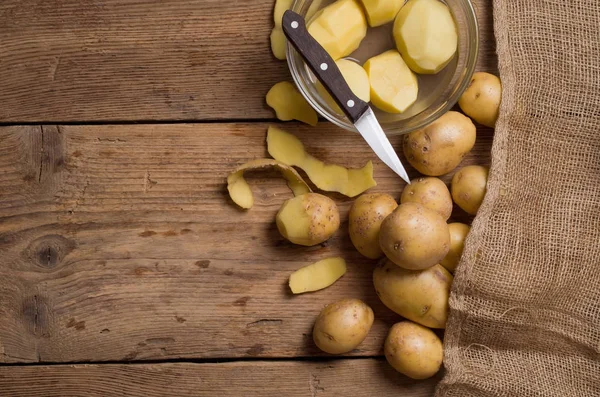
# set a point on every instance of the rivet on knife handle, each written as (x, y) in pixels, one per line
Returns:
(323, 66)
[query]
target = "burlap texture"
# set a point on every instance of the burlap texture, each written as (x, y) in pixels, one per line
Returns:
(525, 304)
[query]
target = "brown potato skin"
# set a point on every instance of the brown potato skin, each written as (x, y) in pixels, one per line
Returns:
(365, 218)
(458, 234)
(342, 326)
(414, 237)
(413, 350)
(431, 192)
(440, 147)
(323, 215)
(469, 186)
(417, 295)
(481, 100)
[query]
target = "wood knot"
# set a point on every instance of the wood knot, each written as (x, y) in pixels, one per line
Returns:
(49, 251)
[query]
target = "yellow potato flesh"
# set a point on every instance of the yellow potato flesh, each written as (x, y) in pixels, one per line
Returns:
(240, 192)
(425, 34)
(380, 12)
(394, 86)
(317, 276)
(281, 6)
(278, 43)
(289, 104)
(339, 28)
(288, 149)
(357, 80)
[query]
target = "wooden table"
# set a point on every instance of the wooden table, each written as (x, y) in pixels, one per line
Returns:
(124, 266)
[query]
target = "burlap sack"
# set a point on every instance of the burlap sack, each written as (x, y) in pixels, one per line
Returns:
(525, 305)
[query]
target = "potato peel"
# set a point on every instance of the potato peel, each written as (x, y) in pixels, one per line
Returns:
(240, 192)
(285, 147)
(289, 104)
(317, 276)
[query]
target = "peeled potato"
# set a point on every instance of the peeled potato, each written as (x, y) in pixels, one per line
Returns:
(357, 80)
(418, 295)
(308, 219)
(458, 234)
(481, 100)
(414, 237)
(440, 147)
(394, 86)
(469, 186)
(240, 192)
(413, 350)
(317, 276)
(289, 104)
(288, 149)
(430, 192)
(339, 27)
(364, 222)
(342, 326)
(426, 36)
(380, 12)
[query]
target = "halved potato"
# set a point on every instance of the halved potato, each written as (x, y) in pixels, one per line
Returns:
(380, 12)
(339, 27)
(394, 86)
(426, 36)
(357, 80)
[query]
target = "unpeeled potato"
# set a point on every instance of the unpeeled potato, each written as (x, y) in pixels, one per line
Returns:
(364, 221)
(418, 295)
(440, 147)
(481, 100)
(308, 219)
(469, 186)
(339, 27)
(430, 192)
(458, 234)
(342, 326)
(413, 350)
(414, 237)
(394, 86)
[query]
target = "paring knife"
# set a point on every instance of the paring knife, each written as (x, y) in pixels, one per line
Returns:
(357, 110)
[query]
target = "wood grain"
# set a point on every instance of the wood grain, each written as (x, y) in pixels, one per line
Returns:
(365, 377)
(90, 60)
(120, 243)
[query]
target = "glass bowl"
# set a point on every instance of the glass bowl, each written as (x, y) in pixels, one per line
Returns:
(437, 93)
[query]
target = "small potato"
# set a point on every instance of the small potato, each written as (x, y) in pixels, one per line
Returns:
(418, 295)
(430, 192)
(440, 147)
(458, 234)
(289, 104)
(413, 350)
(380, 12)
(394, 86)
(481, 100)
(342, 326)
(339, 27)
(357, 80)
(308, 219)
(426, 35)
(366, 215)
(469, 187)
(414, 237)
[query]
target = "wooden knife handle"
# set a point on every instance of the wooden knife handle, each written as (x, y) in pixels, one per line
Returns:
(323, 66)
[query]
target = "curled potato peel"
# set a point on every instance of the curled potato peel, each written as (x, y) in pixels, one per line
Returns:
(288, 149)
(240, 192)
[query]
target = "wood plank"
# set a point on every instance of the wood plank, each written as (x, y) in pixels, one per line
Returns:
(88, 60)
(366, 377)
(119, 242)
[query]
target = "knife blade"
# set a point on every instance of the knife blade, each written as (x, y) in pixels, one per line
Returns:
(357, 110)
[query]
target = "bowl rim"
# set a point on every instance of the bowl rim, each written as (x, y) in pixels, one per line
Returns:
(441, 110)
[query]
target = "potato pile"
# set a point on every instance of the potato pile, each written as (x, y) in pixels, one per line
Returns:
(416, 245)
